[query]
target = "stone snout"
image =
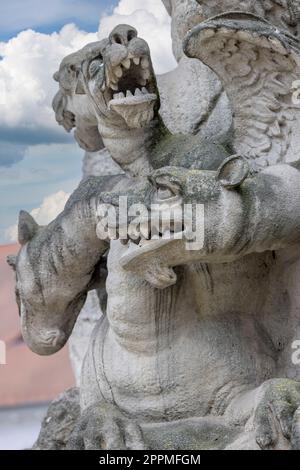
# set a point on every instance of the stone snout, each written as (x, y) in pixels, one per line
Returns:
(49, 300)
(120, 81)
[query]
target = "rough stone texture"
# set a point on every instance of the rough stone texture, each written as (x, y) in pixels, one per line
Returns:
(193, 100)
(194, 342)
(59, 423)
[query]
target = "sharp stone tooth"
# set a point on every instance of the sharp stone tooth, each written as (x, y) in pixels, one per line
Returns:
(136, 60)
(137, 92)
(126, 63)
(128, 94)
(145, 64)
(114, 87)
(145, 91)
(121, 95)
(118, 71)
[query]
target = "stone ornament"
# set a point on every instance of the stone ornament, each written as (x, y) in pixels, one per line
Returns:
(194, 349)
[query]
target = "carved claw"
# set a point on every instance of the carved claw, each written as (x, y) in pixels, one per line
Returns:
(104, 427)
(276, 416)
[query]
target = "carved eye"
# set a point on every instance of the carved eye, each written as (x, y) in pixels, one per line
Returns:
(95, 67)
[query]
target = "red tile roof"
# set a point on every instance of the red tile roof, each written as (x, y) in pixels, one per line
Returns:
(27, 378)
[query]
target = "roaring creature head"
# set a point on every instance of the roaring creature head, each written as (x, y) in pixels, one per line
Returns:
(186, 14)
(110, 83)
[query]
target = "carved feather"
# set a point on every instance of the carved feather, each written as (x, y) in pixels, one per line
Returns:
(258, 65)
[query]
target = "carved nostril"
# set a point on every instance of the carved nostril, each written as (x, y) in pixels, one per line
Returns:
(131, 35)
(117, 39)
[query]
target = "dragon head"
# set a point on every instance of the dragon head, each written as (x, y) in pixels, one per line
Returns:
(194, 215)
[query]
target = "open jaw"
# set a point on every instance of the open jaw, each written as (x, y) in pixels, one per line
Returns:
(133, 92)
(153, 258)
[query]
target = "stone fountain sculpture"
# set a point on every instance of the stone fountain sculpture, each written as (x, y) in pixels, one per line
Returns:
(194, 350)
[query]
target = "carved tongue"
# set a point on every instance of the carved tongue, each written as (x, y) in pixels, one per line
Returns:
(136, 110)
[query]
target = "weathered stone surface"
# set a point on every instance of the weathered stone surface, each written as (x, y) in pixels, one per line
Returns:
(79, 340)
(58, 424)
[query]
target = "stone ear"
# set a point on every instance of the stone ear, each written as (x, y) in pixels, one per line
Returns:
(233, 171)
(12, 261)
(27, 227)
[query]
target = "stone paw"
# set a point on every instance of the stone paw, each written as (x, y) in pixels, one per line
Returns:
(277, 415)
(104, 427)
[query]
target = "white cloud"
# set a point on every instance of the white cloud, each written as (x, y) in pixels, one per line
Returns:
(48, 211)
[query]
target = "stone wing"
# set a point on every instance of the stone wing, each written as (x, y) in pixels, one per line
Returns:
(259, 66)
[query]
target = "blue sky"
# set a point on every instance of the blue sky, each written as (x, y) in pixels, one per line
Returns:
(39, 160)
